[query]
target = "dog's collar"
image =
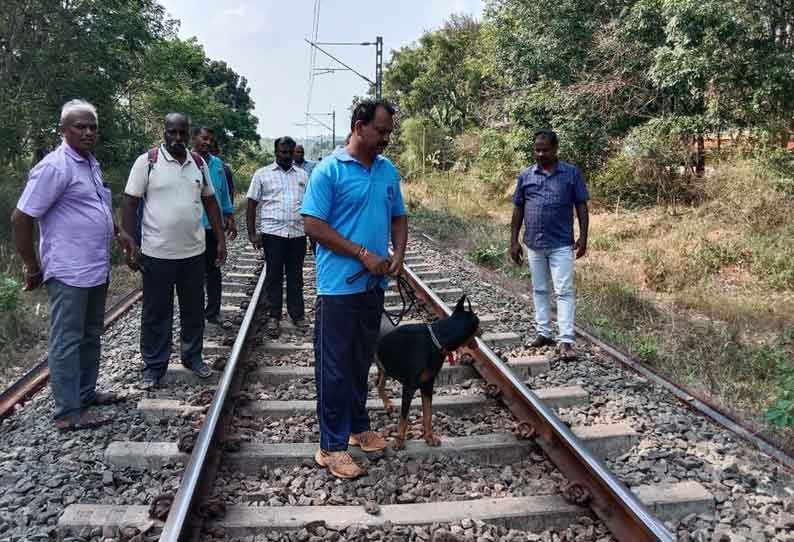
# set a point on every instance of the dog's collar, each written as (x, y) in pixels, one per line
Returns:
(444, 352)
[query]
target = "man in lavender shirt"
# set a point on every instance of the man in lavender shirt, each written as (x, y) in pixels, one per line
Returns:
(66, 194)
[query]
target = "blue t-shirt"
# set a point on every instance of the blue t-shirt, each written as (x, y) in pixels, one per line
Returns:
(359, 204)
(221, 186)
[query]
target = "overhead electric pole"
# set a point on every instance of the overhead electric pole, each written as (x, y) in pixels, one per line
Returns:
(378, 67)
(377, 84)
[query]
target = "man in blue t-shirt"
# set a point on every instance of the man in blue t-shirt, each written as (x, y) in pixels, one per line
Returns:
(352, 208)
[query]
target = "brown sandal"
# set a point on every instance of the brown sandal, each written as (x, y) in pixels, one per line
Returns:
(87, 420)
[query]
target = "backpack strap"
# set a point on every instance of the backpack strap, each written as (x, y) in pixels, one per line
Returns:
(198, 159)
(202, 165)
(152, 158)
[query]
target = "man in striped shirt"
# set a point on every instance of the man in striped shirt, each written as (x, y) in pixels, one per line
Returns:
(278, 188)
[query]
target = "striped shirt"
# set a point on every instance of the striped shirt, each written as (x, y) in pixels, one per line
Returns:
(280, 194)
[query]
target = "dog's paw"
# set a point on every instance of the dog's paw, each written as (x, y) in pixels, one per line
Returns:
(399, 444)
(432, 440)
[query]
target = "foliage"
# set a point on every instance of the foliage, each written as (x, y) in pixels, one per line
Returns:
(251, 156)
(781, 412)
(601, 72)
(441, 78)
(491, 255)
(10, 289)
(651, 167)
(424, 146)
(124, 57)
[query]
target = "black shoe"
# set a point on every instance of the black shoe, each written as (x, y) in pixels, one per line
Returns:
(273, 327)
(302, 324)
(202, 370)
(149, 383)
(565, 352)
(215, 320)
(541, 340)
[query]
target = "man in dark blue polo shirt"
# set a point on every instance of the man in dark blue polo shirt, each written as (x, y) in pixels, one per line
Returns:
(352, 208)
(545, 198)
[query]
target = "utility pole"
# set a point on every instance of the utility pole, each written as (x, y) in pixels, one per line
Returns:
(333, 130)
(318, 122)
(378, 43)
(378, 67)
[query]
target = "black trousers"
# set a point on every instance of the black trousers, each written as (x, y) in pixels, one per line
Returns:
(284, 254)
(160, 277)
(212, 275)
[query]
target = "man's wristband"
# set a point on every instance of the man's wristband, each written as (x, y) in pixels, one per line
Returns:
(361, 252)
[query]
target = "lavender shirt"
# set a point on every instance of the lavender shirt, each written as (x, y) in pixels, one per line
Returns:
(67, 195)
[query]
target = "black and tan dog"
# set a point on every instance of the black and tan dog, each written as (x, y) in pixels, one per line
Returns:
(413, 355)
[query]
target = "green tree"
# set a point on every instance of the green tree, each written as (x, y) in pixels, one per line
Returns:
(440, 78)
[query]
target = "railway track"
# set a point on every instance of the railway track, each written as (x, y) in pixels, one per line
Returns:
(508, 469)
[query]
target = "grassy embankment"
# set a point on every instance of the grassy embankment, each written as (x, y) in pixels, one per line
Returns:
(706, 295)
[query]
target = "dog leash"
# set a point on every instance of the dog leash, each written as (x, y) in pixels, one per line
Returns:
(404, 289)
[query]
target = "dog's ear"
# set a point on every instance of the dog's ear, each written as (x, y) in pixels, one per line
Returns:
(459, 305)
(468, 301)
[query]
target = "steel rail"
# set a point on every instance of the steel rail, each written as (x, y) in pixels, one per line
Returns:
(186, 496)
(36, 378)
(691, 400)
(625, 516)
(694, 401)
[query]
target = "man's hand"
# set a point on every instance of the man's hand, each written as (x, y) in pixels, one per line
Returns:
(256, 240)
(33, 278)
(375, 264)
(129, 248)
(580, 247)
(396, 264)
(231, 227)
(516, 253)
(221, 253)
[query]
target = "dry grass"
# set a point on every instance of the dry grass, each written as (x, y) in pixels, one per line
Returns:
(706, 295)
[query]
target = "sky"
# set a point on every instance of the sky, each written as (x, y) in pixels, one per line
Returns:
(263, 40)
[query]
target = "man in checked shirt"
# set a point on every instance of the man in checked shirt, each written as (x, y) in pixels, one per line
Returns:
(279, 189)
(546, 196)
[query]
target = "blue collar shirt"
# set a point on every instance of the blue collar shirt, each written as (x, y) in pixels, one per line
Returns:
(360, 204)
(548, 200)
(307, 166)
(221, 186)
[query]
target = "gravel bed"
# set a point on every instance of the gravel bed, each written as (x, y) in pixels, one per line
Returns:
(486, 421)
(754, 494)
(583, 530)
(392, 479)
(42, 471)
(303, 389)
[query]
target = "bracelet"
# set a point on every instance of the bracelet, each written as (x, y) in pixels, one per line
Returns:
(361, 252)
(36, 274)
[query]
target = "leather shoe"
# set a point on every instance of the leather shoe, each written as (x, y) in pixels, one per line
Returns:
(541, 340)
(102, 398)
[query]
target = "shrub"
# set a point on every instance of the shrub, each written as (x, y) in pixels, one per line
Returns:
(489, 255)
(781, 413)
(9, 293)
(652, 165)
(655, 269)
(617, 184)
